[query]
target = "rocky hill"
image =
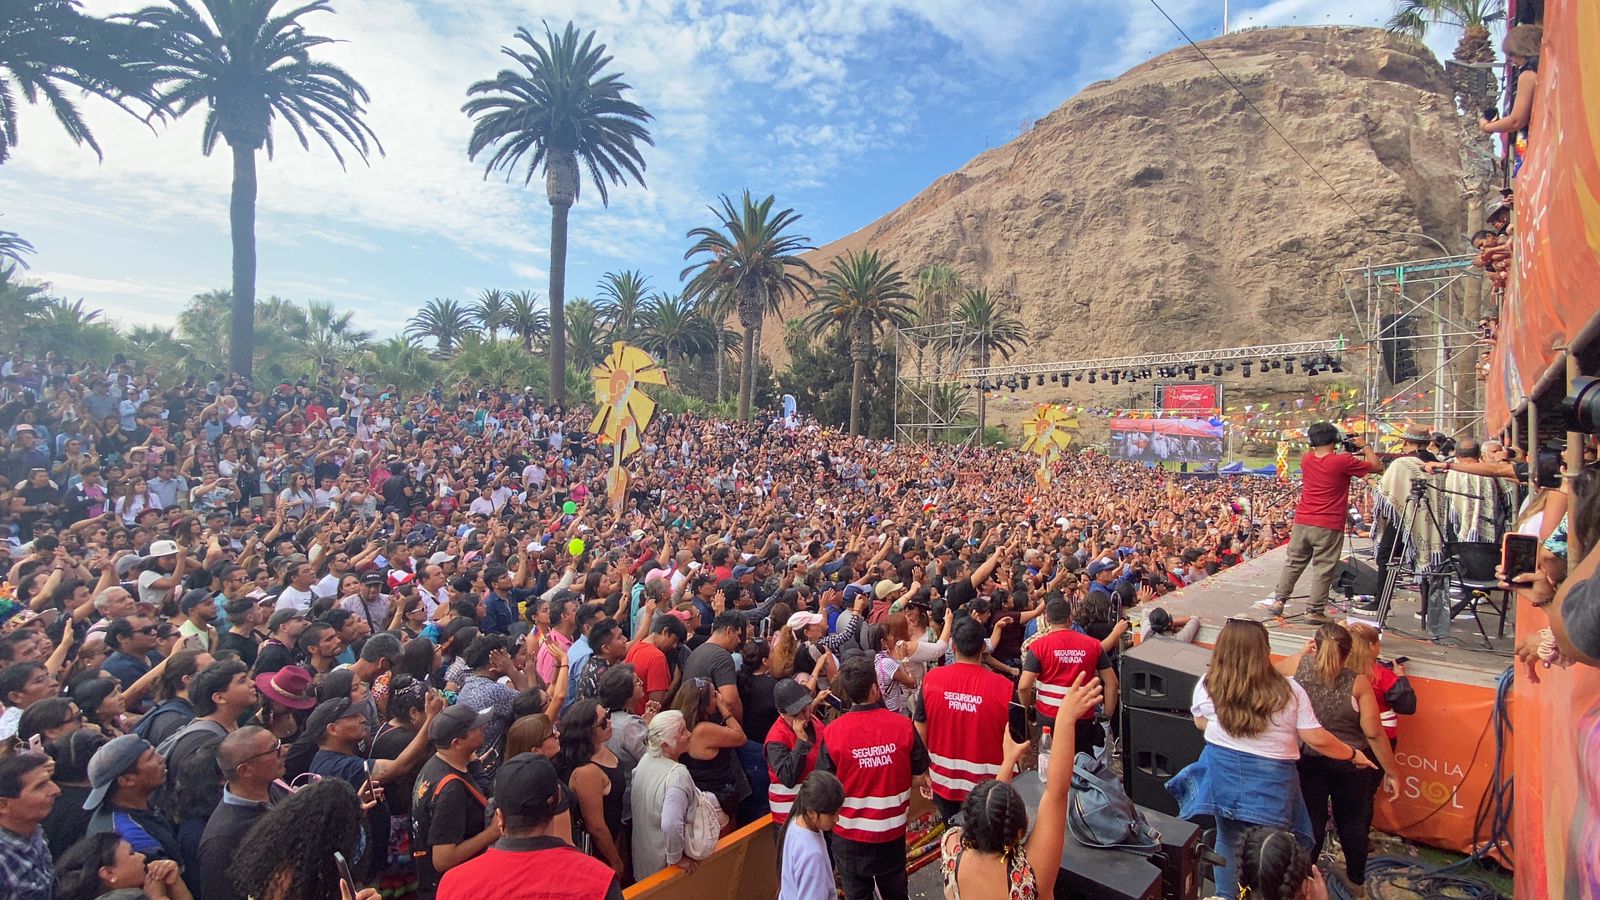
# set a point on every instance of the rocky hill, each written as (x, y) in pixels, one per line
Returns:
(1156, 212)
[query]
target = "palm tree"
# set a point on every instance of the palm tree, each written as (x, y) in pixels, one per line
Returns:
(992, 331)
(588, 337)
(948, 402)
(399, 361)
(621, 295)
(1473, 17)
(446, 321)
(331, 336)
(50, 48)
(670, 328)
(247, 65)
(491, 310)
(862, 296)
(753, 258)
(715, 308)
(526, 318)
(558, 112)
(12, 247)
(937, 288)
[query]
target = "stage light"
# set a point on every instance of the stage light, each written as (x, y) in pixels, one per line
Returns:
(1246, 366)
(1190, 372)
(1230, 367)
(1055, 377)
(1288, 365)
(1337, 365)
(1011, 385)
(1091, 378)
(1115, 377)
(1144, 373)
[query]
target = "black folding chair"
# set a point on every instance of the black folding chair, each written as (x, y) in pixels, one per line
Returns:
(1475, 565)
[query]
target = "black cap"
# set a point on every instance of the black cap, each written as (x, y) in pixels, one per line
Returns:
(528, 787)
(327, 713)
(373, 576)
(790, 697)
(456, 722)
(194, 598)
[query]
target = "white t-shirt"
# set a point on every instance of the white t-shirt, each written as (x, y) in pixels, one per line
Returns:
(1280, 741)
(293, 598)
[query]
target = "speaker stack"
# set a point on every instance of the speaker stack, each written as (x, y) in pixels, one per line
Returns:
(1158, 681)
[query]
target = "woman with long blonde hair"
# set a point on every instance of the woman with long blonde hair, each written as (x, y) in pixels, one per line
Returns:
(1347, 707)
(1389, 682)
(1254, 718)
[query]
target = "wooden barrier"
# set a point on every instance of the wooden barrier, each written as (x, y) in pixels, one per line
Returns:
(745, 865)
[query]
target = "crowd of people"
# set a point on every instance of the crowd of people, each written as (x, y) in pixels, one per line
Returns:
(330, 639)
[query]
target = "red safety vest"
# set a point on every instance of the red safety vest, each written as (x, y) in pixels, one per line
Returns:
(871, 754)
(780, 797)
(966, 708)
(1062, 655)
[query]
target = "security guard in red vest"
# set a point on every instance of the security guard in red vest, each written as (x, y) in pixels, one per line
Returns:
(877, 756)
(1052, 662)
(962, 712)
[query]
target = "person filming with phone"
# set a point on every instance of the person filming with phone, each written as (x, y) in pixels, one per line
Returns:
(1319, 517)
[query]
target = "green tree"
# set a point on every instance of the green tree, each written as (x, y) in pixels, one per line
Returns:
(621, 296)
(564, 115)
(50, 49)
(752, 255)
(399, 361)
(862, 296)
(588, 336)
(1472, 17)
(994, 331)
(671, 329)
(332, 336)
(12, 247)
(938, 287)
(446, 321)
(715, 307)
(498, 363)
(248, 64)
(491, 311)
(527, 319)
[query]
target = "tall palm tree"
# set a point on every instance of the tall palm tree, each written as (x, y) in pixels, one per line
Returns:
(588, 336)
(50, 49)
(248, 64)
(993, 330)
(1473, 17)
(559, 111)
(332, 336)
(526, 318)
(12, 247)
(621, 296)
(446, 321)
(752, 255)
(862, 296)
(937, 288)
(670, 328)
(491, 311)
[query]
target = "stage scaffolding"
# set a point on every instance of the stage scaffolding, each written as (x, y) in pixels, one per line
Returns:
(1425, 309)
(931, 401)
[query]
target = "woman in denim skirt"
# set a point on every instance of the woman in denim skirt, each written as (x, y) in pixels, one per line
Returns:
(1254, 719)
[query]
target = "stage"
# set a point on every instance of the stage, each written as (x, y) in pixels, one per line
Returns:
(1446, 750)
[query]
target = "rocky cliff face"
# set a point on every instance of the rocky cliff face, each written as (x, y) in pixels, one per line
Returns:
(1156, 212)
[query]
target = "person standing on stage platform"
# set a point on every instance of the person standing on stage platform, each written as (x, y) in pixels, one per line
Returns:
(877, 755)
(962, 714)
(1052, 662)
(1319, 517)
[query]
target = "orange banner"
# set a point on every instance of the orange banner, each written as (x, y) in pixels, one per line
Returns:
(1556, 743)
(1446, 759)
(1552, 294)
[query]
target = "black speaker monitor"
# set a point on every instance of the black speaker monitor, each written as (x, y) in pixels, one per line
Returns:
(1161, 673)
(1159, 745)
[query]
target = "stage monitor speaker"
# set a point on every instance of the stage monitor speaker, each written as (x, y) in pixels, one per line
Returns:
(1093, 873)
(1395, 347)
(1181, 874)
(1363, 576)
(1159, 745)
(1161, 674)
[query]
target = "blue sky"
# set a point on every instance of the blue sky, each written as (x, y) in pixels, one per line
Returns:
(844, 109)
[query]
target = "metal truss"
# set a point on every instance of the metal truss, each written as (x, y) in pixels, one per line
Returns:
(1177, 361)
(1434, 296)
(931, 401)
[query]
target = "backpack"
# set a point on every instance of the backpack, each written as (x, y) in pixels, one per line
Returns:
(704, 827)
(1099, 813)
(174, 706)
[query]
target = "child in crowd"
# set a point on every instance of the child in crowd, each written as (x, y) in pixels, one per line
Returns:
(807, 870)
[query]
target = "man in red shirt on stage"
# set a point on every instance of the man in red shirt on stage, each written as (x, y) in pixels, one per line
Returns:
(876, 755)
(962, 714)
(1320, 516)
(1050, 664)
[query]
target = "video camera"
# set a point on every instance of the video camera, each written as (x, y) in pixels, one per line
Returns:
(1581, 407)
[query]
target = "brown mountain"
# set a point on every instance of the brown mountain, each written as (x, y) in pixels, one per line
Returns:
(1157, 212)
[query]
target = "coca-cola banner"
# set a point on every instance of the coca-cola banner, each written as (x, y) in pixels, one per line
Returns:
(1191, 397)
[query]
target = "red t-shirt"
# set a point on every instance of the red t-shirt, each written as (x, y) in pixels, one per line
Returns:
(1325, 488)
(650, 664)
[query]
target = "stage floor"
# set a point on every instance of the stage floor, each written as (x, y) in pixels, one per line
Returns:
(1460, 658)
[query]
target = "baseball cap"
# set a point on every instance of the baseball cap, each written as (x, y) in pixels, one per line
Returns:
(528, 786)
(281, 616)
(440, 557)
(1063, 521)
(163, 548)
(790, 696)
(374, 576)
(110, 762)
(194, 598)
(328, 712)
(239, 606)
(457, 721)
(741, 571)
(1100, 565)
(804, 619)
(127, 564)
(886, 587)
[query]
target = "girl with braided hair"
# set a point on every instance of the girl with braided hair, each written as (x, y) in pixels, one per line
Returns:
(1274, 866)
(992, 857)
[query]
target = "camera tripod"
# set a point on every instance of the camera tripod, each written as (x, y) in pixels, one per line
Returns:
(1436, 616)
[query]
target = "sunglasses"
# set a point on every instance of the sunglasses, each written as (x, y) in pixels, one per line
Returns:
(604, 722)
(150, 629)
